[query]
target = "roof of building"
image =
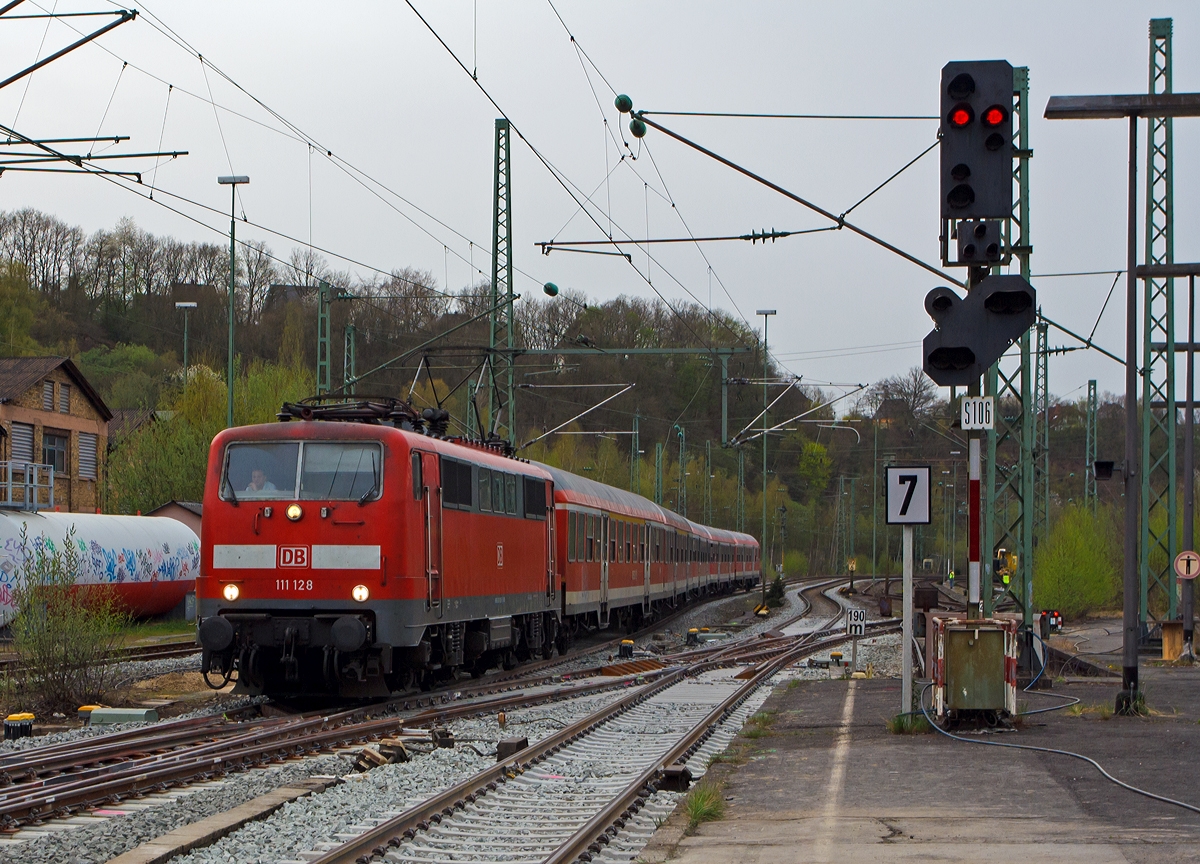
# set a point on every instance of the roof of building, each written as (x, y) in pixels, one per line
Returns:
(191, 506)
(892, 408)
(19, 374)
(126, 421)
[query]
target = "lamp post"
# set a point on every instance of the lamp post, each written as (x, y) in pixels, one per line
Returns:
(1128, 107)
(232, 182)
(187, 307)
(766, 313)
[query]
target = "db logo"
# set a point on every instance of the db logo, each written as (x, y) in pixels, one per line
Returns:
(293, 556)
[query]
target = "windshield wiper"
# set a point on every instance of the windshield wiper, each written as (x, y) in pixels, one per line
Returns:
(232, 495)
(374, 483)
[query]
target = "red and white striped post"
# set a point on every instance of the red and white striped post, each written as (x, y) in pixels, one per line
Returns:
(974, 594)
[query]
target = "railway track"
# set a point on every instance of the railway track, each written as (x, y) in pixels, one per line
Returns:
(572, 794)
(162, 651)
(58, 780)
(55, 781)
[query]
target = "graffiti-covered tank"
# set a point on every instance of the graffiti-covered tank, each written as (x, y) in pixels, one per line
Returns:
(151, 562)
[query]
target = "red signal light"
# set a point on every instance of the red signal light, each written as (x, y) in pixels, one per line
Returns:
(960, 115)
(994, 116)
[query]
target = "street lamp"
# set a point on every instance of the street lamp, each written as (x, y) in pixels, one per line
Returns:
(232, 182)
(766, 313)
(187, 307)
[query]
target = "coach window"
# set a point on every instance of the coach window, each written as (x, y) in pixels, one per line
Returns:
(629, 541)
(485, 489)
(570, 536)
(581, 538)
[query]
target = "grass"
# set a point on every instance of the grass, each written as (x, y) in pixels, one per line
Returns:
(759, 725)
(157, 629)
(1102, 710)
(908, 724)
(705, 803)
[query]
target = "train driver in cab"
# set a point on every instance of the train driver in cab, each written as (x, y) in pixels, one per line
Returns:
(259, 482)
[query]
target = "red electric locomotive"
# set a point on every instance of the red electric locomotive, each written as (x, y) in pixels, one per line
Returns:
(359, 552)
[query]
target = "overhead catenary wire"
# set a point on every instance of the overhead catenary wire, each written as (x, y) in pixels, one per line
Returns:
(799, 200)
(560, 178)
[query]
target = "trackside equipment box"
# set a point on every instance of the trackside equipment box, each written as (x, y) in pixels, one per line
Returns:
(976, 665)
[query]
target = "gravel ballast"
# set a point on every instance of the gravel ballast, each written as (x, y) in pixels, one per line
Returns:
(94, 844)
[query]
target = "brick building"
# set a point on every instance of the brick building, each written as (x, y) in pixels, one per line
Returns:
(51, 416)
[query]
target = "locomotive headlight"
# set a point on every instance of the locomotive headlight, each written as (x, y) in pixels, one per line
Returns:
(231, 592)
(294, 512)
(360, 593)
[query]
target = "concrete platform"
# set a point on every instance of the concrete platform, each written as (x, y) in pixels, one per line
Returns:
(831, 784)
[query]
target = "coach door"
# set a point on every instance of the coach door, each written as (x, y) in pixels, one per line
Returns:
(605, 527)
(644, 549)
(431, 497)
(551, 533)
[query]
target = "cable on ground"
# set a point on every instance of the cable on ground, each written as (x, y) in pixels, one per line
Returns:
(1055, 751)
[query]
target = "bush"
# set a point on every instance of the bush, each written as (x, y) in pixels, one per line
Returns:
(1075, 568)
(64, 636)
(775, 592)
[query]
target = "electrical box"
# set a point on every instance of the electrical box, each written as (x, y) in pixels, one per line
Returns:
(975, 666)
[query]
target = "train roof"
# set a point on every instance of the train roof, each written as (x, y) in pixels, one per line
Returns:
(572, 488)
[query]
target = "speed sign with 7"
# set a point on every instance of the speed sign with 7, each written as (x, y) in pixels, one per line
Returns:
(908, 495)
(978, 412)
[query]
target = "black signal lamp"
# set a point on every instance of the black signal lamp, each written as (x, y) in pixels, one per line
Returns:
(994, 142)
(960, 172)
(961, 196)
(962, 86)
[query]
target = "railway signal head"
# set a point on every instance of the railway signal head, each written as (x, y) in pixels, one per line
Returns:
(979, 242)
(972, 332)
(976, 164)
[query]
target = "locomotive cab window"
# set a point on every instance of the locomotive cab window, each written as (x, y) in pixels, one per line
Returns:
(310, 470)
(341, 471)
(261, 472)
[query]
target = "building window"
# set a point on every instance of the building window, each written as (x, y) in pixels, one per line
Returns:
(87, 456)
(64, 398)
(47, 395)
(22, 442)
(54, 450)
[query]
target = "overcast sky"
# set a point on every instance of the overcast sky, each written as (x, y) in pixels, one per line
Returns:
(370, 83)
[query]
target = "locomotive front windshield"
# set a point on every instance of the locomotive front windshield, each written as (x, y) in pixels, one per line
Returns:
(310, 470)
